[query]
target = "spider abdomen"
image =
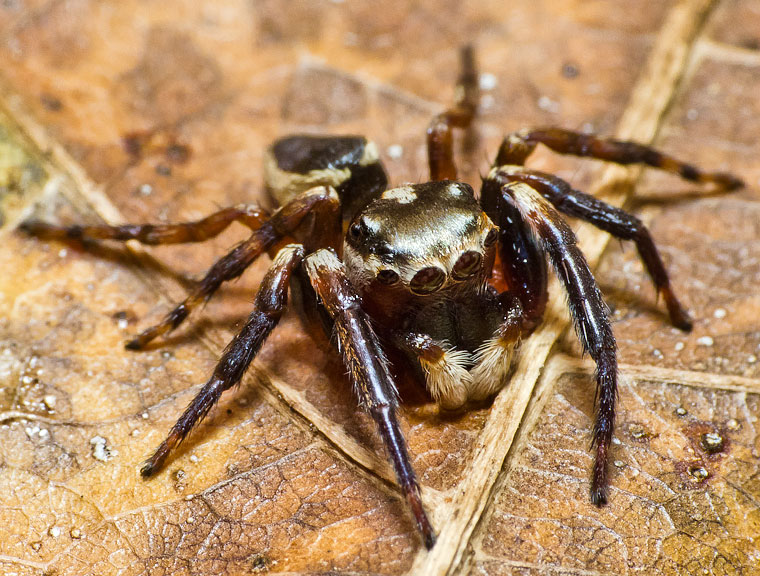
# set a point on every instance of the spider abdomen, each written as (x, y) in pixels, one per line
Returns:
(350, 164)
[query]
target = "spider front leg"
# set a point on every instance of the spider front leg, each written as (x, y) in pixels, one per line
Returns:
(609, 218)
(319, 204)
(587, 308)
(522, 258)
(517, 146)
(368, 370)
(268, 308)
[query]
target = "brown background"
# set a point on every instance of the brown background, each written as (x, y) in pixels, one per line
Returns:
(285, 476)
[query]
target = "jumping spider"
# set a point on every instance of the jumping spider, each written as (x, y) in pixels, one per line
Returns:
(413, 269)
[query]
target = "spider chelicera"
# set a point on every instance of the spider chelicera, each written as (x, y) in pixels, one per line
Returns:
(413, 269)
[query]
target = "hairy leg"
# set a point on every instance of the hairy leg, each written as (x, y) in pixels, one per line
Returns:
(611, 219)
(268, 308)
(516, 148)
(587, 308)
(522, 258)
(313, 218)
(368, 370)
(440, 137)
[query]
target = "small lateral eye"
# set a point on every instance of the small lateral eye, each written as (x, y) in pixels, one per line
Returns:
(384, 250)
(355, 230)
(467, 264)
(387, 277)
(491, 237)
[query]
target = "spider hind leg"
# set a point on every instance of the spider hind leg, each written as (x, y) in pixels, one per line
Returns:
(517, 146)
(440, 133)
(249, 215)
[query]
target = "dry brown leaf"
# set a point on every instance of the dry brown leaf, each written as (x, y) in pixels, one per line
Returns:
(285, 476)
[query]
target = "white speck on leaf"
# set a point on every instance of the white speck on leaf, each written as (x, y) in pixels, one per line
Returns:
(487, 81)
(100, 449)
(548, 105)
(395, 151)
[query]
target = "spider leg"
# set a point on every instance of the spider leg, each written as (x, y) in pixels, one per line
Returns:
(611, 219)
(440, 138)
(249, 215)
(368, 370)
(516, 148)
(269, 306)
(299, 217)
(587, 308)
(521, 256)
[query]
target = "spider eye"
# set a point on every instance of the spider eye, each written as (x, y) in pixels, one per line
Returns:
(491, 237)
(355, 230)
(387, 277)
(384, 250)
(427, 280)
(467, 264)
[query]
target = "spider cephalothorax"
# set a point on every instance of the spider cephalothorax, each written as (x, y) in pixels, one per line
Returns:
(412, 268)
(397, 240)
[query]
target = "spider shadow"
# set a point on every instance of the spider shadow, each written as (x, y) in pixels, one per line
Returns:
(634, 305)
(123, 256)
(194, 331)
(635, 202)
(243, 398)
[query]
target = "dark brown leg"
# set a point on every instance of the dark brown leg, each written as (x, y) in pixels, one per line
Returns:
(587, 309)
(440, 138)
(610, 219)
(313, 215)
(368, 370)
(249, 215)
(269, 306)
(522, 258)
(517, 147)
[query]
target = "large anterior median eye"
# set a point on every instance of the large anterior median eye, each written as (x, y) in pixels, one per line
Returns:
(467, 264)
(427, 280)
